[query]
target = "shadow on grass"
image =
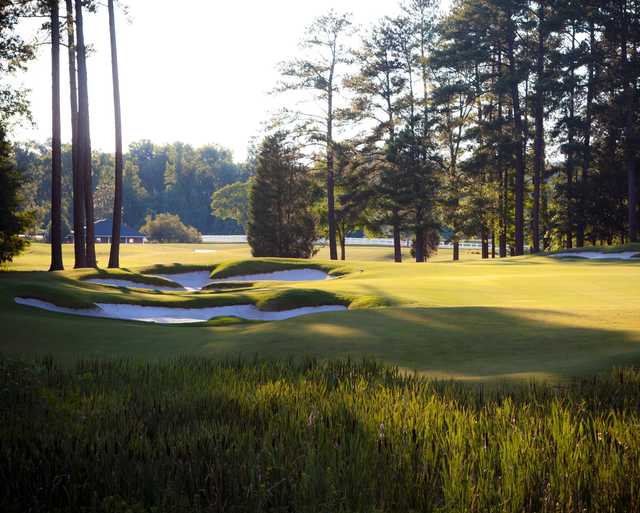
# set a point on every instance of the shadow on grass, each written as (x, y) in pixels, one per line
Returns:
(465, 343)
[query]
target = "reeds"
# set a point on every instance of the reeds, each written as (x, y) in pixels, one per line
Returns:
(342, 436)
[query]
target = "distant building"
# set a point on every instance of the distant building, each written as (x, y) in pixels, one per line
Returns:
(103, 228)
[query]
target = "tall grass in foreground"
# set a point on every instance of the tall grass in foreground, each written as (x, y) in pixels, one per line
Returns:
(196, 435)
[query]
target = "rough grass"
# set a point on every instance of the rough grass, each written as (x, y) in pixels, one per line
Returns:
(197, 435)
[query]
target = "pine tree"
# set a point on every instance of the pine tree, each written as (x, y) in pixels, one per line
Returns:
(13, 221)
(56, 145)
(280, 220)
(320, 73)
(114, 256)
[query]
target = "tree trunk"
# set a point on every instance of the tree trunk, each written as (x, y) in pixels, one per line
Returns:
(456, 250)
(629, 135)
(79, 247)
(504, 213)
(331, 215)
(114, 256)
(570, 153)
(586, 153)
(503, 173)
(419, 245)
(518, 133)
(84, 138)
(485, 244)
(539, 137)
(56, 145)
(397, 248)
(493, 244)
(633, 201)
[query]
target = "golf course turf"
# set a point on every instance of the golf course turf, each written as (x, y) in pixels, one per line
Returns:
(516, 318)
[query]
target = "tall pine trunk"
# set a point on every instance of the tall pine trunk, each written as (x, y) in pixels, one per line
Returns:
(56, 145)
(503, 174)
(331, 215)
(397, 247)
(79, 248)
(570, 163)
(84, 138)
(484, 236)
(518, 141)
(114, 256)
(629, 132)
(586, 150)
(419, 245)
(539, 137)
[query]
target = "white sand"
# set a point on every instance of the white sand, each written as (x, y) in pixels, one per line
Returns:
(169, 315)
(197, 280)
(598, 255)
(204, 250)
(290, 275)
(131, 284)
(191, 281)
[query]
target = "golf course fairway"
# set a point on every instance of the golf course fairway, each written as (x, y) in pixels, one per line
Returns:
(517, 318)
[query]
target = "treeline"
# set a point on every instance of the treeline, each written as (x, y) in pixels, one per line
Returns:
(514, 121)
(173, 178)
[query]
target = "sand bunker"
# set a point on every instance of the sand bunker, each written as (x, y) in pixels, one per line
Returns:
(130, 284)
(195, 280)
(198, 280)
(598, 255)
(290, 275)
(169, 315)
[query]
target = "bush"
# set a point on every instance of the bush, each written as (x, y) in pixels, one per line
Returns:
(169, 228)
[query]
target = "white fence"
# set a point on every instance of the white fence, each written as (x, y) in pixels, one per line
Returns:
(224, 239)
(350, 241)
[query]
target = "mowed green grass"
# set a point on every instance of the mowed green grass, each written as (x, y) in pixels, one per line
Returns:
(146, 255)
(517, 318)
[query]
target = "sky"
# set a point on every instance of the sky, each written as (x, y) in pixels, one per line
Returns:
(197, 71)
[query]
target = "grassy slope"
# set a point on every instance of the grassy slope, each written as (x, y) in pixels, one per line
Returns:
(633, 246)
(522, 317)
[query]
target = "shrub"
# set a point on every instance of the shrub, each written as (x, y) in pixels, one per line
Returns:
(169, 228)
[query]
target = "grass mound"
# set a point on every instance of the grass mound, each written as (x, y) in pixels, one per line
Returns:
(289, 299)
(122, 274)
(229, 285)
(634, 246)
(370, 302)
(198, 435)
(230, 321)
(174, 268)
(233, 268)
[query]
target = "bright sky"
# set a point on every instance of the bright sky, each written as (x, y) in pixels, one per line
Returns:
(197, 71)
